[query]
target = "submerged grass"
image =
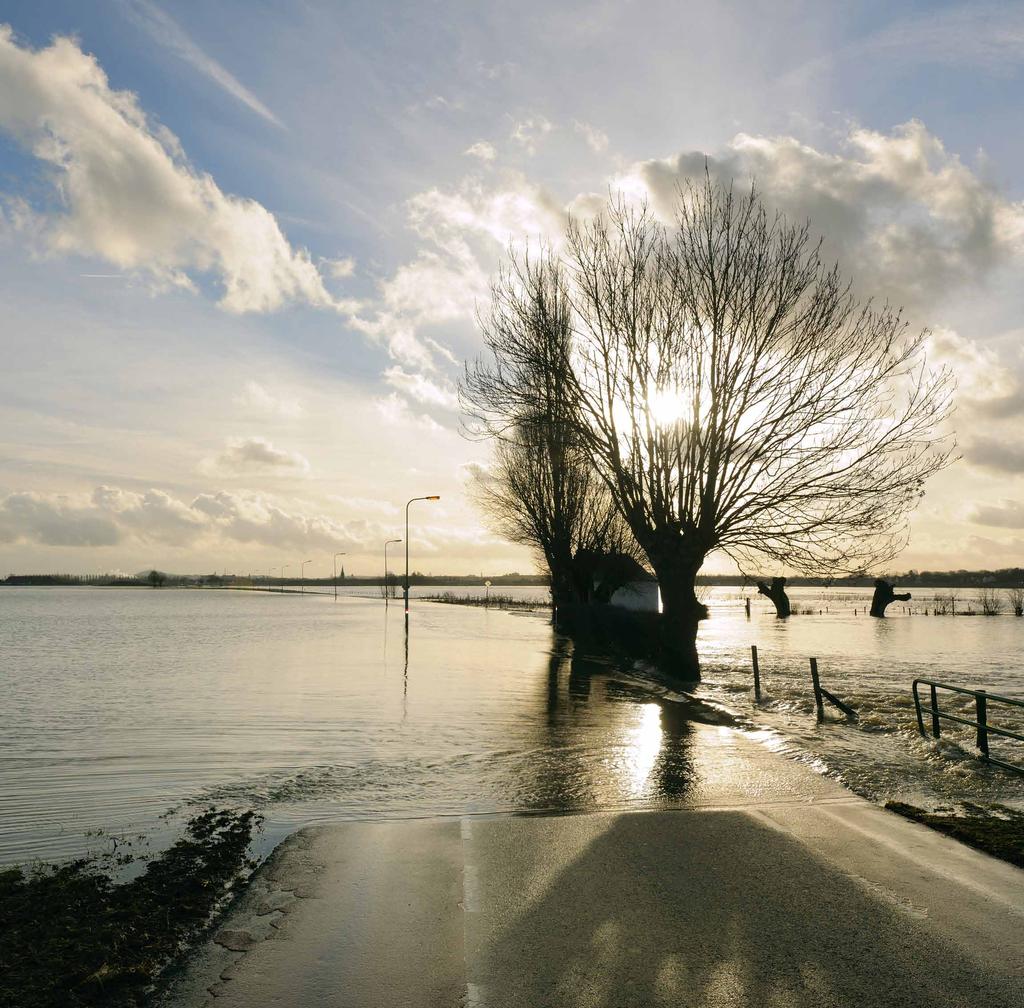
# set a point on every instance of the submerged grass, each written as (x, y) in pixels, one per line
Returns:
(72, 936)
(495, 601)
(995, 829)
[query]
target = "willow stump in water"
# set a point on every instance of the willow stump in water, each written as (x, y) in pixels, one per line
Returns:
(776, 591)
(884, 596)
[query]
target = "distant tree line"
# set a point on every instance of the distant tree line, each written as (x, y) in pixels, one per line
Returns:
(664, 392)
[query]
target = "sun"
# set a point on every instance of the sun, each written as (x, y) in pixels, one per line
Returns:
(666, 406)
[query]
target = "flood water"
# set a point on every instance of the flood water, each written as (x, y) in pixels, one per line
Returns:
(120, 705)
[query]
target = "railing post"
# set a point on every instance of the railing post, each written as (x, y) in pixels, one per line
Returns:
(981, 705)
(757, 673)
(936, 730)
(817, 690)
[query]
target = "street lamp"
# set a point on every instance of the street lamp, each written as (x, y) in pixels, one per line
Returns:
(302, 576)
(386, 545)
(284, 567)
(336, 555)
(433, 497)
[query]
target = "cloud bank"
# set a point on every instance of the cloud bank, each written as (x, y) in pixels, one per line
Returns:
(111, 516)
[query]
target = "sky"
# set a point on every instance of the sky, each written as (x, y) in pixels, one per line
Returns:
(242, 245)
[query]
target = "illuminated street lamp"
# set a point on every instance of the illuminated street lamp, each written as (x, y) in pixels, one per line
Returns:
(336, 555)
(386, 545)
(434, 497)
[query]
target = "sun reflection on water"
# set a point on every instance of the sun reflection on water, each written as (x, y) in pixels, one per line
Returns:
(644, 745)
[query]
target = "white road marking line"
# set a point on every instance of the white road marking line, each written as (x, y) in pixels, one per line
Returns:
(471, 889)
(470, 905)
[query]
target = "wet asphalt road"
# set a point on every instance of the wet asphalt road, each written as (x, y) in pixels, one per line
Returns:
(782, 889)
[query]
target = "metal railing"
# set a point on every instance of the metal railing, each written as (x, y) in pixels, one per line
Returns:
(982, 698)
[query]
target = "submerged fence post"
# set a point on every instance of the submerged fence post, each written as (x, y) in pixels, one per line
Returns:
(757, 673)
(817, 689)
(936, 729)
(981, 705)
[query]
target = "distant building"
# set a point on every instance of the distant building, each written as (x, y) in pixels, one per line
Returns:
(638, 596)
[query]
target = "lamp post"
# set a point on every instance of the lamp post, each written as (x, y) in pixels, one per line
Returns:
(302, 576)
(336, 555)
(433, 497)
(284, 567)
(386, 545)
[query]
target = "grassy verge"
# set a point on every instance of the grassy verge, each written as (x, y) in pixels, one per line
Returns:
(72, 936)
(994, 829)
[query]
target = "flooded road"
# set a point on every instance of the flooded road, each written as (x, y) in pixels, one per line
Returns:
(120, 704)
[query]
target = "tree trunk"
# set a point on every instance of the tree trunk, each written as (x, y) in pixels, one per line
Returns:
(884, 596)
(776, 591)
(564, 596)
(681, 614)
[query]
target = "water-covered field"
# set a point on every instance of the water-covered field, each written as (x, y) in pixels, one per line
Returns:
(120, 704)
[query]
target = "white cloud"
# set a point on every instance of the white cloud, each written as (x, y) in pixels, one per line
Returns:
(105, 518)
(422, 388)
(482, 149)
(55, 521)
(251, 518)
(256, 399)
(908, 219)
(529, 132)
(127, 196)
(342, 268)
(254, 456)
(596, 139)
(111, 516)
(396, 411)
(511, 211)
(464, 232)
(158, 24)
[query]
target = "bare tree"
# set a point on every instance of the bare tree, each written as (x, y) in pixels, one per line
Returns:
(735, 396)
(990, 602)
(1015, 596)
(556, 505)
(542, 490)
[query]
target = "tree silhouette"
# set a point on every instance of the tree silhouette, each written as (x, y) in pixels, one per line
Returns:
(542, 490)
(734, 396)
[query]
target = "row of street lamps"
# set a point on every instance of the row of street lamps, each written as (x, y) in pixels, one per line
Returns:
(302, 566)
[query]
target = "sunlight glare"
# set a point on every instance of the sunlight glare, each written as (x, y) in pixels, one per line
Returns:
(645, 745)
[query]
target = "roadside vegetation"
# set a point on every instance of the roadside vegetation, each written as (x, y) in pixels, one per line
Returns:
(995, 829)
(73, 936)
